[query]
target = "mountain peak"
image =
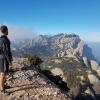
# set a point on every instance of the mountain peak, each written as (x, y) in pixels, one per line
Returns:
(61, 45)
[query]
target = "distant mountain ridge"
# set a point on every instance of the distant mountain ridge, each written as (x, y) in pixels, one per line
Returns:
(60, 45)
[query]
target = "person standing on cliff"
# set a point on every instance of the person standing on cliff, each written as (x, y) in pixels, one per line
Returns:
(5, 56)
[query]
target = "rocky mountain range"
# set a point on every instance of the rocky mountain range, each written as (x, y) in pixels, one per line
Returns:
(61, 45)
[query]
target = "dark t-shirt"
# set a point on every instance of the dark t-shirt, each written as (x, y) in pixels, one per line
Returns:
(5, 48)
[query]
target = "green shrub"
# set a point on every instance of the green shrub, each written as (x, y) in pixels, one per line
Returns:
(34, 60)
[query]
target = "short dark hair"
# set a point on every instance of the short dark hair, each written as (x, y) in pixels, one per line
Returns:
(4, 29)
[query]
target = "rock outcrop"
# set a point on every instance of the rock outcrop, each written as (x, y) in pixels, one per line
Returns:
(94, 65)
(86, 62)
(26, 84)
(57, 71)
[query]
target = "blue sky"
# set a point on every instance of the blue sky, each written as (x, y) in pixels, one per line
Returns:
(54, 16)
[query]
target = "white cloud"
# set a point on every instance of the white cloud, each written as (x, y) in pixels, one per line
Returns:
(16, 32)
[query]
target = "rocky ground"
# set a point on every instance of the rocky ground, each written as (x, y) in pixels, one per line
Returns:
(27, 84)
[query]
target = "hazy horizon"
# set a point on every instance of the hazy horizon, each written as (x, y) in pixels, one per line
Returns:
(95, 49)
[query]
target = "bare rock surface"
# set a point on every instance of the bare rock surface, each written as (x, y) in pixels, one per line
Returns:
(27, 84)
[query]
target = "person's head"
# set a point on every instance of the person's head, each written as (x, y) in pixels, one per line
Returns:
(4, 30)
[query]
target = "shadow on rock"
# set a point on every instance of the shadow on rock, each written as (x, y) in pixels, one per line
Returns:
(86, 97)
(56, 79)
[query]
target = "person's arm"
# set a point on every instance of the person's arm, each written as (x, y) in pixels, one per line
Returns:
(7, 51)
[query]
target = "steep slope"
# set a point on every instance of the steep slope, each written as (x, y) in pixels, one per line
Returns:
(27, 84)
(80, 79)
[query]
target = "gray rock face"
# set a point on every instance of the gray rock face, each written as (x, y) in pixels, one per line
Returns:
(95, 67)
(27, 84)
(86, 62)
(61, 45)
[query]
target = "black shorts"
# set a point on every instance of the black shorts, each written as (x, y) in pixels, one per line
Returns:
(4, 65)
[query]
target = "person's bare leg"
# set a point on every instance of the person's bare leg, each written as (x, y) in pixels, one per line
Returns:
(2, 80)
